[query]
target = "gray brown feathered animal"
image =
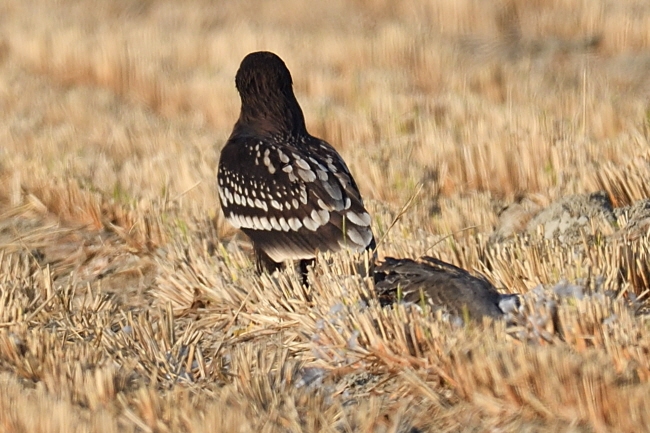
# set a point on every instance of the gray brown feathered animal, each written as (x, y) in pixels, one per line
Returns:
(439, 284)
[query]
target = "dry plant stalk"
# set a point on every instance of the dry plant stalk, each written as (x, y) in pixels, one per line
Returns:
(128, 304)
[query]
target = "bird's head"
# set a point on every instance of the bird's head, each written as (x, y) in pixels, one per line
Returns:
(261, 73)
(268, 104)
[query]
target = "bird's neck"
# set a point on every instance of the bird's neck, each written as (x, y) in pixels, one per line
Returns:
(276, 114)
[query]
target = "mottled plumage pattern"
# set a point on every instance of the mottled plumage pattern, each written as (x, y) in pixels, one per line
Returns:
(290, 192)
(439, 284)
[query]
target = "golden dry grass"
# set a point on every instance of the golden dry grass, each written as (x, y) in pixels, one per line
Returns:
(128, 304)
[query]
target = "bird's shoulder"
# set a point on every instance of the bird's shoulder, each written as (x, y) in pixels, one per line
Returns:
(303, 163)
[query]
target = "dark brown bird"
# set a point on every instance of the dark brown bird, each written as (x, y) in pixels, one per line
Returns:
(440, 284)
(290, 192)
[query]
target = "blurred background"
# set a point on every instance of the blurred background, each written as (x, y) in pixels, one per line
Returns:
(496, 99)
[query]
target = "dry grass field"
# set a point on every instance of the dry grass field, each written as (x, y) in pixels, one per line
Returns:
(127, 303)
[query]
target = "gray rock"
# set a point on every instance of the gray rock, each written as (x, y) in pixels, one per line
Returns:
(570, 218)
(637, 217)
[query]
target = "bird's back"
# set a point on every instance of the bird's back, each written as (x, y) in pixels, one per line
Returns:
(293, 196)
(439, 284)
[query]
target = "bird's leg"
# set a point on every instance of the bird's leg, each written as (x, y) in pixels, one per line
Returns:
(305, 264)
(369, 258)
(264, 263)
